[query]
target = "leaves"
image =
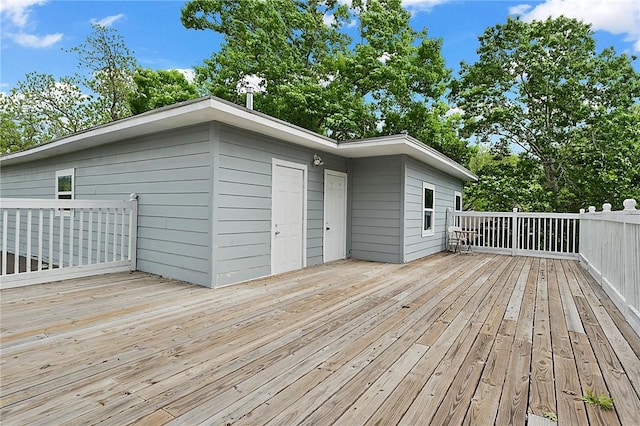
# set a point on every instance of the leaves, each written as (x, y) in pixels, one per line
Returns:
(155, 89)
(311, 73)
(542, 87)
(603, 401)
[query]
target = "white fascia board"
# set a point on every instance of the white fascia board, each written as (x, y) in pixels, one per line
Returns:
(181, 115)
(403, 144)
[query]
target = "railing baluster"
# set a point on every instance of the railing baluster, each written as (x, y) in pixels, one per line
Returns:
(28, 260)
(51, 255)
(61, 240)
(115, 234)
(16, 253)
(40, 227)
(80, 236)
(5, 246)
(106, 235)
(99, 236)
(122, 240)
(71, 232)
(90, 239)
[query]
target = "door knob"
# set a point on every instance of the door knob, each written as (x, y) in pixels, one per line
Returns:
(328, 229)
(277, 232)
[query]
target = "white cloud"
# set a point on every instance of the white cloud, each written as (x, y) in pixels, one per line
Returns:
(32, 40)
(18, 10)
(617, 17)
(454, 110)
(188, 73)
(328, 19)
(422, 4)
(519, 9)
(108, 20)
(15, 15)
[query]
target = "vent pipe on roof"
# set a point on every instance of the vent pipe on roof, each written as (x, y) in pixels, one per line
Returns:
(249, 97)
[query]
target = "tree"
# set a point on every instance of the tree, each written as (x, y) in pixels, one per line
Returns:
(155, 89)
(505, 181)
(41, 108)
(311, 73)
(541, 86)
(110, 65)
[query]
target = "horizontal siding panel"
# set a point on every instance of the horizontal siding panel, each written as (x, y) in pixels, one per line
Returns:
(251, 214)
(241, 202)
(187, 275)
(376, 256)
(240, 252)
(375, 239)
(176, 224)
(246, 226)
(240, 239)
(150, 176)
(238, 264)
(243, 274)
(195, 238)
(182, 212)
(244, 189)
(167, 249)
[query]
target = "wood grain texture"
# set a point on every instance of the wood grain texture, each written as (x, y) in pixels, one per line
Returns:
(448, 339)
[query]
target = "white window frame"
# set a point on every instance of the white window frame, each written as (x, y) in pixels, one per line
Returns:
(72, 193)
(457, 194)
(423, 210)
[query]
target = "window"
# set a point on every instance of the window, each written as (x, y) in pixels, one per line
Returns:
(65, 186)
(428, 201)
(457, 204)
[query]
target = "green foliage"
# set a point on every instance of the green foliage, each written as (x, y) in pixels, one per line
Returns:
(155, 89)
(603, 401)
(391, 79)
(505, 182)
(110, 66)
(551, 416)
(41, 108)
(541, 86)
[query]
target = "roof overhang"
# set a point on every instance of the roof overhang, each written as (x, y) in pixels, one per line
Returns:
(208, 109)
(404, 144)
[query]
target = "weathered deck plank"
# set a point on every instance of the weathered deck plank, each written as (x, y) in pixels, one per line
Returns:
(450, 339)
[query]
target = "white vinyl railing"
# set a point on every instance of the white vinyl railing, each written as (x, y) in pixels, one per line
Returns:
(46, 240)
(521, 233)
(610, 251)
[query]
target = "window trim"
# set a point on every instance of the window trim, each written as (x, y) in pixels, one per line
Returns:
(432, 188)
(457, 194)
(66, 172)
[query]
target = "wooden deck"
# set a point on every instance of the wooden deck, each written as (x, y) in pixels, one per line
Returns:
(450, 339)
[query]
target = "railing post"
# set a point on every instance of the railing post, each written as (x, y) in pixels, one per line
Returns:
(515, 234)
(133, 231)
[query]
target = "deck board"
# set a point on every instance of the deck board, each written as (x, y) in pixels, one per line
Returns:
(450, 339)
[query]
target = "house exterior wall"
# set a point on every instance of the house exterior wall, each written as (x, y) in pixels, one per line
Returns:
(415, 173)
(376, 216)
(242, 201)
(172, 173)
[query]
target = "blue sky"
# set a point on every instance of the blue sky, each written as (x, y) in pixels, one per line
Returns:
(34, 33)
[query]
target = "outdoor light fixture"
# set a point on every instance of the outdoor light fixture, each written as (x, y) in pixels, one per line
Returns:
(317, 161)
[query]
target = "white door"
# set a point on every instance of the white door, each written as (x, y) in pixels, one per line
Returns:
(288, 227)
(335, 215)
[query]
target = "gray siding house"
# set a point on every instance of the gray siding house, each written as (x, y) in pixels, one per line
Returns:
(227, 194)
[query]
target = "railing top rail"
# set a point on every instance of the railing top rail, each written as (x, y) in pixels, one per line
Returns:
(519, 214)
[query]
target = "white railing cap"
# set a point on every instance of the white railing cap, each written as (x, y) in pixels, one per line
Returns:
(629, 204)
